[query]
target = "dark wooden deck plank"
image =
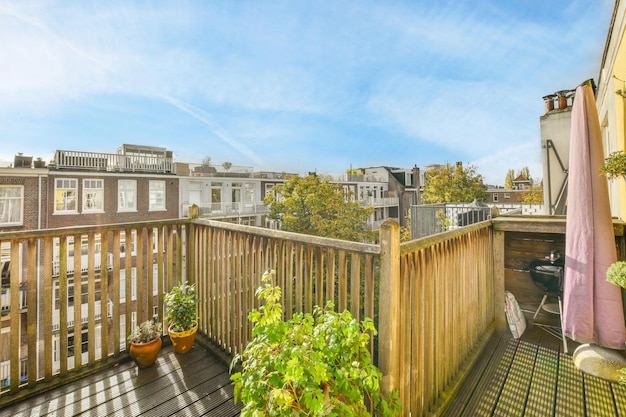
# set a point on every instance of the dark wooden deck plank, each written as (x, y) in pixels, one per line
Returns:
(533, 377)
(195, 383)
(489, 399)
(569, 395)
(79, 389)
(619, 396)
(512, 401)
(474, 382)
(164, 382)
(598, 397)
(542, 394)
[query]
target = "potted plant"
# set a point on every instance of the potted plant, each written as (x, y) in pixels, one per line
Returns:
(616, 274)
(314, 364)
(145, 343)
(180, 306)
(614, 165)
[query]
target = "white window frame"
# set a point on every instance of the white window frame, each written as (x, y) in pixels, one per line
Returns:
(133, 285)
(63, 201)
(11, 205)
(93, 195)
(156, 195)
(127, 195)
(507, 195)
(195, 192)
(155, 279)
(495, 197)
(123, 245)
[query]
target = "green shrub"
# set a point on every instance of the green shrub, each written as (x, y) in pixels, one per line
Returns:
(614, 165)
(616, 274)
(314, 364)
(145, 332)
(180, 305)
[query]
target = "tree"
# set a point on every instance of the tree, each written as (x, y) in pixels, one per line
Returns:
(314, 206)
(525, 172)
(227, 166)
(508, 180)
(453, 184)
(533, 195)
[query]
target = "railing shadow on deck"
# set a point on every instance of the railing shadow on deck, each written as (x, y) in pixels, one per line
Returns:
(433, 299)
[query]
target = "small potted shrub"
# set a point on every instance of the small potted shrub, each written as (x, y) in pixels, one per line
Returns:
(614, 165)
(180, 306)
(145, 343)
(314, 364)
(616, 274)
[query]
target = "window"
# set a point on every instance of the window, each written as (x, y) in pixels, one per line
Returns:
(155, 279)
(507, 195)
(71, 293)
(11, 205)
(236, 196)
(133, 285)
(93, 195)
(495, 197)
(195, 193)
(65, 192)
(126, 195)
(124, 244)
(157, 195)
(216, 196)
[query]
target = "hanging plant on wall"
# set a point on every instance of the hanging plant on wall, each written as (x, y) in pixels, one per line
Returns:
(614, 165)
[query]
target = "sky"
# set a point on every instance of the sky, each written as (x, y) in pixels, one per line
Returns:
(295, 86)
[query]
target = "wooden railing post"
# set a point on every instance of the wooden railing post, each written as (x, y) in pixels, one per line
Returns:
(498, 274)
(389, 306)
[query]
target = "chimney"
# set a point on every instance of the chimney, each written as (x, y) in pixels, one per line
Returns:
(549, 99)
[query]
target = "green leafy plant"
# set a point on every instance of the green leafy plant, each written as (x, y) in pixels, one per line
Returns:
(614, 165)
(145, 332)
(180, 305)
(313, 365)
(616, 274)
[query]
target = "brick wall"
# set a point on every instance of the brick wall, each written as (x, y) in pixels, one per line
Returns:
(31, 186)
(111, 214)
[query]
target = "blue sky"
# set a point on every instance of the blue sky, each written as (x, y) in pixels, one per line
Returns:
(295, 86)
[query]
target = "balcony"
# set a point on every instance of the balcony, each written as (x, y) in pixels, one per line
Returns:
(437, 302)
(226, 209)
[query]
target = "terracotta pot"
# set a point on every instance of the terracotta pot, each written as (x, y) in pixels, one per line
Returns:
(183, 341)
(145, 354)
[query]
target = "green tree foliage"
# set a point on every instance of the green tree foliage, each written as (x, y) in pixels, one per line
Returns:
(314, 206)
(312, 365)
(453, 184)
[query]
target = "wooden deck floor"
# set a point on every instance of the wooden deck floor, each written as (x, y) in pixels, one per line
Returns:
(533, 377)
(527, 377)
(193, 384)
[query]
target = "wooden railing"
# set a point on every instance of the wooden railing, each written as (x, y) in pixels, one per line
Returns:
(437, 309)
(44, 332)
(228, 260)
(433, 300)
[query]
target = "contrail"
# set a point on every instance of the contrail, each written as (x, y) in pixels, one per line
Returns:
(191, 110)
(36, 23)
(219, 131)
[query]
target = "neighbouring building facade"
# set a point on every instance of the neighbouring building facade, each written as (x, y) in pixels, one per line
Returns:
(611, 100)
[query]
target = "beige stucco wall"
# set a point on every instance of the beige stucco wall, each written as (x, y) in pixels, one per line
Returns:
(611, 105)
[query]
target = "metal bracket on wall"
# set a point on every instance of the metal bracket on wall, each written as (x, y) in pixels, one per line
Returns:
(559, 203)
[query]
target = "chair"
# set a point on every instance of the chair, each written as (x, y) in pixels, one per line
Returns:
(548, 276)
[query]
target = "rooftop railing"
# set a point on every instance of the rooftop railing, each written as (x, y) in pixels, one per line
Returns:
(434, 300)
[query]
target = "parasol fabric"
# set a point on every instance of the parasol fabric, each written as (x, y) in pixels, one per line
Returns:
(592, 309)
